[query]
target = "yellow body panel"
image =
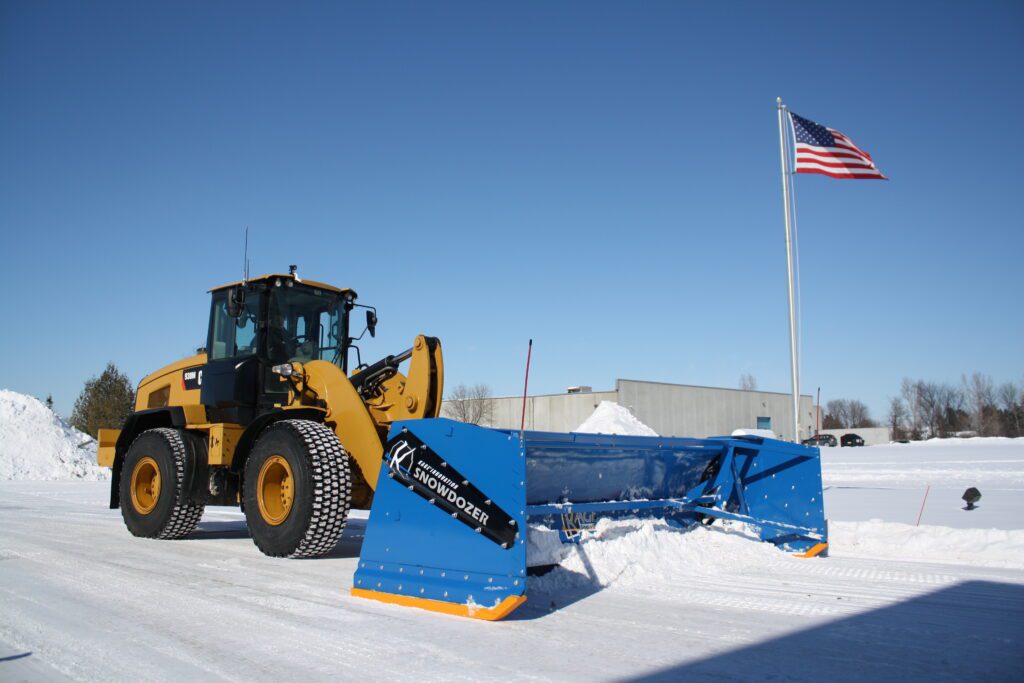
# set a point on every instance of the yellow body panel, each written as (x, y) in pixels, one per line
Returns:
(167, 387)
(107, 443)
(221, 440)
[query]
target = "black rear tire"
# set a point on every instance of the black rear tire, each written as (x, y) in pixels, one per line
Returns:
(163, 510)
(316, 481)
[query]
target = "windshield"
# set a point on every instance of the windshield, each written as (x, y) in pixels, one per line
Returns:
(303, 324)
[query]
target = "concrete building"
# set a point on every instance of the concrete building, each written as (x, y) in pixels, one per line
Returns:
(669, 409)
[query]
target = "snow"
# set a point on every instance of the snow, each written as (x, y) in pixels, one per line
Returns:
(82, 599)
(764, 433)
(890, 482)
(37, 444)
(890, 540)
(611, 418)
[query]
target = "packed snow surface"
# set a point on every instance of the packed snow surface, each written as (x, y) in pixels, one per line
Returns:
(37, 444)
(82, 599)
(611, 418)
(890, 540)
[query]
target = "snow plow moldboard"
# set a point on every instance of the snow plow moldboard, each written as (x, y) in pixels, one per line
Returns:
(447, 530)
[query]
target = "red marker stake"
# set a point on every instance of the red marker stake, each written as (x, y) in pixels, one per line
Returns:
(921, 512)
(526, 384)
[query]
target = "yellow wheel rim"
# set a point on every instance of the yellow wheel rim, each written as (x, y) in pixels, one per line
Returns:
(145, 485)
(275, 490)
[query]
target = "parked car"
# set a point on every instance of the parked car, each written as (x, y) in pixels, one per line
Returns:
(820, 440)
(852, 440)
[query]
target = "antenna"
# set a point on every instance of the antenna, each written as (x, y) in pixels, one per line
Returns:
(245, 258)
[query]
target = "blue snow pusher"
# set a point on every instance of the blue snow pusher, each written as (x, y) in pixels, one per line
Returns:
(447, 529)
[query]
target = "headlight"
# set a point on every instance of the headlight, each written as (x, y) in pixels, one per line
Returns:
(285, 369)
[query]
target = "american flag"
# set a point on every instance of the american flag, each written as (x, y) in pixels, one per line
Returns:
(829, 152)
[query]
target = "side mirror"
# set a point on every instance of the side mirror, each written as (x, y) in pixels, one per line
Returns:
(371, 322)
(236, 301)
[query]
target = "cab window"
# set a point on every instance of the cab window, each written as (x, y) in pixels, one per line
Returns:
(232, 337)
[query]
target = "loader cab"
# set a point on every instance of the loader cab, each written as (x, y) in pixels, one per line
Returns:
(263, 322)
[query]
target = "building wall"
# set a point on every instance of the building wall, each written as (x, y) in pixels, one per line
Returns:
(547, 413)
(669, 409)
(872, 435)
(684, 410)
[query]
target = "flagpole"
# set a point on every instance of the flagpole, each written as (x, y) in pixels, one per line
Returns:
(795, 373)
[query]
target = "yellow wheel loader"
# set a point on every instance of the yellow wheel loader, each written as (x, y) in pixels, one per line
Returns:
(268, 416)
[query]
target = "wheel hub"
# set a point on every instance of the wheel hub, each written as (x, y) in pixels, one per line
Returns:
(145, 485)
(275, 490)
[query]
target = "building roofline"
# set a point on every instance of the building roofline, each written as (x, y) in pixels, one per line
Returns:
(644, 381)
(701, 386)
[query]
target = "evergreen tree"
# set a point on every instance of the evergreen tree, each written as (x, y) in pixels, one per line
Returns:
(49, 401)
(104, 403)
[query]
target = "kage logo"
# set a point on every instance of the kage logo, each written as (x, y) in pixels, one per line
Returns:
(401, 457)
(413, 465)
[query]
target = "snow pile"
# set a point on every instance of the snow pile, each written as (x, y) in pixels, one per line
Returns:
(611, 418)
(891, 541)
(649, 553)
(36, 444)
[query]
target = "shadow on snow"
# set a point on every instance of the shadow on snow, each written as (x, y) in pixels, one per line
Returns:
(972, 631)
(349, 546)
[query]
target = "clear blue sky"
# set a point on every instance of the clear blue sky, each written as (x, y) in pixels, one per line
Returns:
(601, 177)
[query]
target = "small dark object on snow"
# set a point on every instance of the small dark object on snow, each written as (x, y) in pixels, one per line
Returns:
(971, 496)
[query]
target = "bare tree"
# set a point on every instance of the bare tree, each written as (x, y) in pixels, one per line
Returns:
(837, 414)
(897, 417)
(844, 413)
(472, 405)
(748, 382)
(860, 416)
(1011, 401)
(980, 396)
(911, 392)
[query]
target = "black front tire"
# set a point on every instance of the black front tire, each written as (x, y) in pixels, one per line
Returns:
(171, 514)
(321, 488)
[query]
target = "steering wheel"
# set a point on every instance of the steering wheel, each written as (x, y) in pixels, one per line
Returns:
(295, 339)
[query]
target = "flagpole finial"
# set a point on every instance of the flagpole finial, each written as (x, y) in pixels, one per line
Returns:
(778, 101)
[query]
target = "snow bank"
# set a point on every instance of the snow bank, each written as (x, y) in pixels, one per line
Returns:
(611, 418)
(648, 553)
(36, 444)
(887, 540)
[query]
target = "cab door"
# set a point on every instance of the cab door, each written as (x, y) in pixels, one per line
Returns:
(231, 375)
